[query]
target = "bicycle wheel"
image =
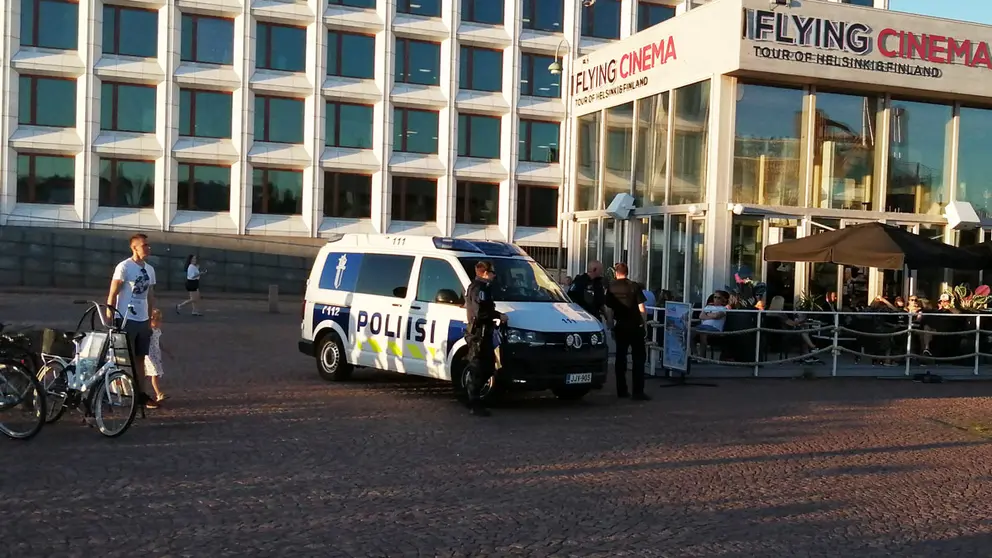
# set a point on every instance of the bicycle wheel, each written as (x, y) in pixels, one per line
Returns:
(114, 404)
(54, 381)
(22, 402)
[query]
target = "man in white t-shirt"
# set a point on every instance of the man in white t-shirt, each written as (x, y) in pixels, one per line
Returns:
(133, 285)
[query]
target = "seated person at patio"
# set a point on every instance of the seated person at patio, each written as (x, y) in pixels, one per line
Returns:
(933, 322)
(798, 321)
(713, 318)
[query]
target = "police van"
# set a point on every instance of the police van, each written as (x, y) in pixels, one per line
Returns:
(397, 303)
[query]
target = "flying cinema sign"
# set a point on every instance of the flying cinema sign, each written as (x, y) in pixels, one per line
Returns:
(621, 74)
(845, 44)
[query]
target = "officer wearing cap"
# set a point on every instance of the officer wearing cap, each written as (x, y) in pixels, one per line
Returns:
(479, 335)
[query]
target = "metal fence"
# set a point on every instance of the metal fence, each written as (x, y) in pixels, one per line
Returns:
(781, 344)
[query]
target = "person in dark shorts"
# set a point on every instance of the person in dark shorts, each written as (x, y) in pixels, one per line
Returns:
(193, 273)
(133, 285)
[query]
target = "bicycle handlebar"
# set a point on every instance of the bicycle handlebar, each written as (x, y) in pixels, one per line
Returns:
(112, 313)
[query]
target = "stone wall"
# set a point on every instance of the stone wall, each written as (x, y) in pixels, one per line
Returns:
(75, 258)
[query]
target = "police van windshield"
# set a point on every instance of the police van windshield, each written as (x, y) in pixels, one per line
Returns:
(519, 280)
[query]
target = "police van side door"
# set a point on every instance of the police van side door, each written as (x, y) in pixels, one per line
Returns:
(379, 310)
(438, 315)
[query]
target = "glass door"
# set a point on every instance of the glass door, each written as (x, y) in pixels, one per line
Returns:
(780, 277)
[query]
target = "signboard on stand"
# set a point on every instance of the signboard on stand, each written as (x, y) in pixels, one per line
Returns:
(678, 329)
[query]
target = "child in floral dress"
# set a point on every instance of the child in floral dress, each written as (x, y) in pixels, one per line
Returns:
(153, 362)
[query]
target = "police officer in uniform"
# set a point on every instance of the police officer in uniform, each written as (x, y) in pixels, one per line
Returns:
(625, 299)
(479, 334)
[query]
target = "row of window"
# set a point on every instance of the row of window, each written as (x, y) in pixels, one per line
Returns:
(130, 184)
(132, 108)
(134, 32)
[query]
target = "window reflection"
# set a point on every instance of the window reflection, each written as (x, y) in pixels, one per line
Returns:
(767, 145)
(429, 8)
(128, 184)
(417, 62)
(692, 114)
(477, 203)
(49, 23)
(414, 199)
(206, 39)
(746, 246)
(974, 163)
(649, 15)
(919, 134)
(204, 188)
(348, 125)
(543, 15)
(656, 254)
(415, 131)
(535, 79)
(278, 119)
(347, 195)
(601, 20)
(48, 180)
(538, 141)
(204, 114)
(280, 47)
(277, 192)
(47, 102)
(844, 150)
(130, 32)
(127, 108)
(651, 180)
(478, 136)
(587, 175)
(678, 244)
(482, 11)
(619, 150)
(537, 206)
(354, 3)
(480, 69)
(350, 55)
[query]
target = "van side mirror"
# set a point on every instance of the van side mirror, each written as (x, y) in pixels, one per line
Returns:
(448, 296)
(399, 292)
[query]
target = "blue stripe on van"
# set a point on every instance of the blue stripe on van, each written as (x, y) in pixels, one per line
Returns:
(337, 314)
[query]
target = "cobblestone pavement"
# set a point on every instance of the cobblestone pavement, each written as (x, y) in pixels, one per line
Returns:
(256, 456)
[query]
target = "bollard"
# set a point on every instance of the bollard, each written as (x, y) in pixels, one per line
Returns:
(273, 299)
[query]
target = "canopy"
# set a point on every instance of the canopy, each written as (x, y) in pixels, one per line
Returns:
(982, 253)
(873, 245)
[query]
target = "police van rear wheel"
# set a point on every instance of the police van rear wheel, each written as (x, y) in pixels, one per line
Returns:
(331, 363)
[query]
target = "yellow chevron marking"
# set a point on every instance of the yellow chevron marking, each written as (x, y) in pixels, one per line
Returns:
(395, 349)
(432, 351)
(374, 346)
(358, 343)
(415, 351)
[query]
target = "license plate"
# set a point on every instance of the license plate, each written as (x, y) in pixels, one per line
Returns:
(579, 378)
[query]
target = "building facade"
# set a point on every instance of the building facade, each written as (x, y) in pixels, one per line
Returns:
(786, 119)
(293, 118)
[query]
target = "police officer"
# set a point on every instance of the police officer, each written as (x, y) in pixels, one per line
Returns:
(625, 299)
(479, 335)
(587, 290)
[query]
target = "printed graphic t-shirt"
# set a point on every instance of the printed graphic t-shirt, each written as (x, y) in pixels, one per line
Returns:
(137, 281)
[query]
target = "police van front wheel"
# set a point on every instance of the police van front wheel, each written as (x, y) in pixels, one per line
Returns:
(488, 393)
(331, 362)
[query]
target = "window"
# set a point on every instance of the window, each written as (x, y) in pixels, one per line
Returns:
(204, 114)
(768, 145)
(280, 47)
(478, 136)
(587, 175)
(481, 69)
(277, 192)
(414, 131)
(537, 206)
(278, 119)
(535, 79)
(49, 23)
(651, 161)
(354, 3)
(974, 163)
(538, 141)
(692, 112)
(649, 15)
(844, 150)
(430, 8)
(414, 199)
(436, 276)
(350, 55)
(866, 3)
(543, 15)
(477, 203)
(127, 183)
(204, 188)
(130, 32)
(384, 275)
(43, 179)
(417, 62)
(920, 133)
(127, 108)
(348, 125)
(482, 11)
(47, 102)
(347, 195)
(208, 40)
(519, 280)
(619, 150)
(601, 20)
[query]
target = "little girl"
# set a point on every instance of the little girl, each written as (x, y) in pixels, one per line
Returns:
(153, 362)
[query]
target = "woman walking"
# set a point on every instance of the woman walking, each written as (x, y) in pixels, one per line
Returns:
(193, 274)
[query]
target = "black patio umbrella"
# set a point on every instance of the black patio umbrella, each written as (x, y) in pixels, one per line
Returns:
(981, 252)
(873, 245)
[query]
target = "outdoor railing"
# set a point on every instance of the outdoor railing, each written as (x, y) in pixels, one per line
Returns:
(890, 339)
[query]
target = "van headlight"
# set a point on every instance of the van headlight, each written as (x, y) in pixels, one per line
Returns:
(517, 336)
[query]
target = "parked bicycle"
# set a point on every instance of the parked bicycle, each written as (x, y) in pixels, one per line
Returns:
(98, 380)
(22, 398)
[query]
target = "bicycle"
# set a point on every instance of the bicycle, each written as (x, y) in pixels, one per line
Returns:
(22, 398)
(94, 381)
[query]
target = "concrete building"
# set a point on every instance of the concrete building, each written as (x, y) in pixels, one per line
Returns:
(817, 116)
(293, 118)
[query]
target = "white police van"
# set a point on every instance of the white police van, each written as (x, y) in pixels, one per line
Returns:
(397, 303)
